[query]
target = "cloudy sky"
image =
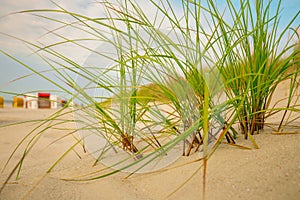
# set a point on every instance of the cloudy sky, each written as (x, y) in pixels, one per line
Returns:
(32, 28)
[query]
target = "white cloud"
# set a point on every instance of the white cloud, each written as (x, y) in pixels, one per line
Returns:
(31, 28)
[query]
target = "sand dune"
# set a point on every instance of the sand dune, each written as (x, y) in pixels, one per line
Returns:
(270, 172)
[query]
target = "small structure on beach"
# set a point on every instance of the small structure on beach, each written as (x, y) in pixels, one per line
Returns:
(40, 100)
(18, 102)
(53, 101)
(1, 102)
(44, 100)
(63, 102)
(31, 101)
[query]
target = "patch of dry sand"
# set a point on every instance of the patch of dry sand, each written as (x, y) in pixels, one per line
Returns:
(271, 172)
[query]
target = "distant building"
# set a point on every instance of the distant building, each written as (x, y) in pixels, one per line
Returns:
(40, 100)
(31, 101)
(18, 102)
(44, 100)
(1, 102)
(53, 101)
(63, 102)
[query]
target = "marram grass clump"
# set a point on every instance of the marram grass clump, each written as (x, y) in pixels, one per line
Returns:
(168, 74)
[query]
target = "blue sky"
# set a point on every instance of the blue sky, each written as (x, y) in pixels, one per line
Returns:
(31, 28)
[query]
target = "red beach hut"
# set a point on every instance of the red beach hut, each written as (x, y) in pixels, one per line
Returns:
(44, 100)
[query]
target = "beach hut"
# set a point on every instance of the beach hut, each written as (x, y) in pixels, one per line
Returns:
(63, 102)
(1, 102)
(18, 102)
(44, 100)
(53, 100)
(31, 101)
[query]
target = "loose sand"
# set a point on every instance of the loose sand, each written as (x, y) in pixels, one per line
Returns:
(270, 172)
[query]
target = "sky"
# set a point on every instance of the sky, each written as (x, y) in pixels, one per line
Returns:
(31, 28)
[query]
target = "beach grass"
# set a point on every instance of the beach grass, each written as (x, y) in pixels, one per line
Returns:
(193, 80)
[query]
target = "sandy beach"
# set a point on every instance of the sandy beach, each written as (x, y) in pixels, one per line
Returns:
(270, 172)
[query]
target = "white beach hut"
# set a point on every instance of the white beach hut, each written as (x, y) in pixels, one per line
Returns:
(53, 100)
(31, 101)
